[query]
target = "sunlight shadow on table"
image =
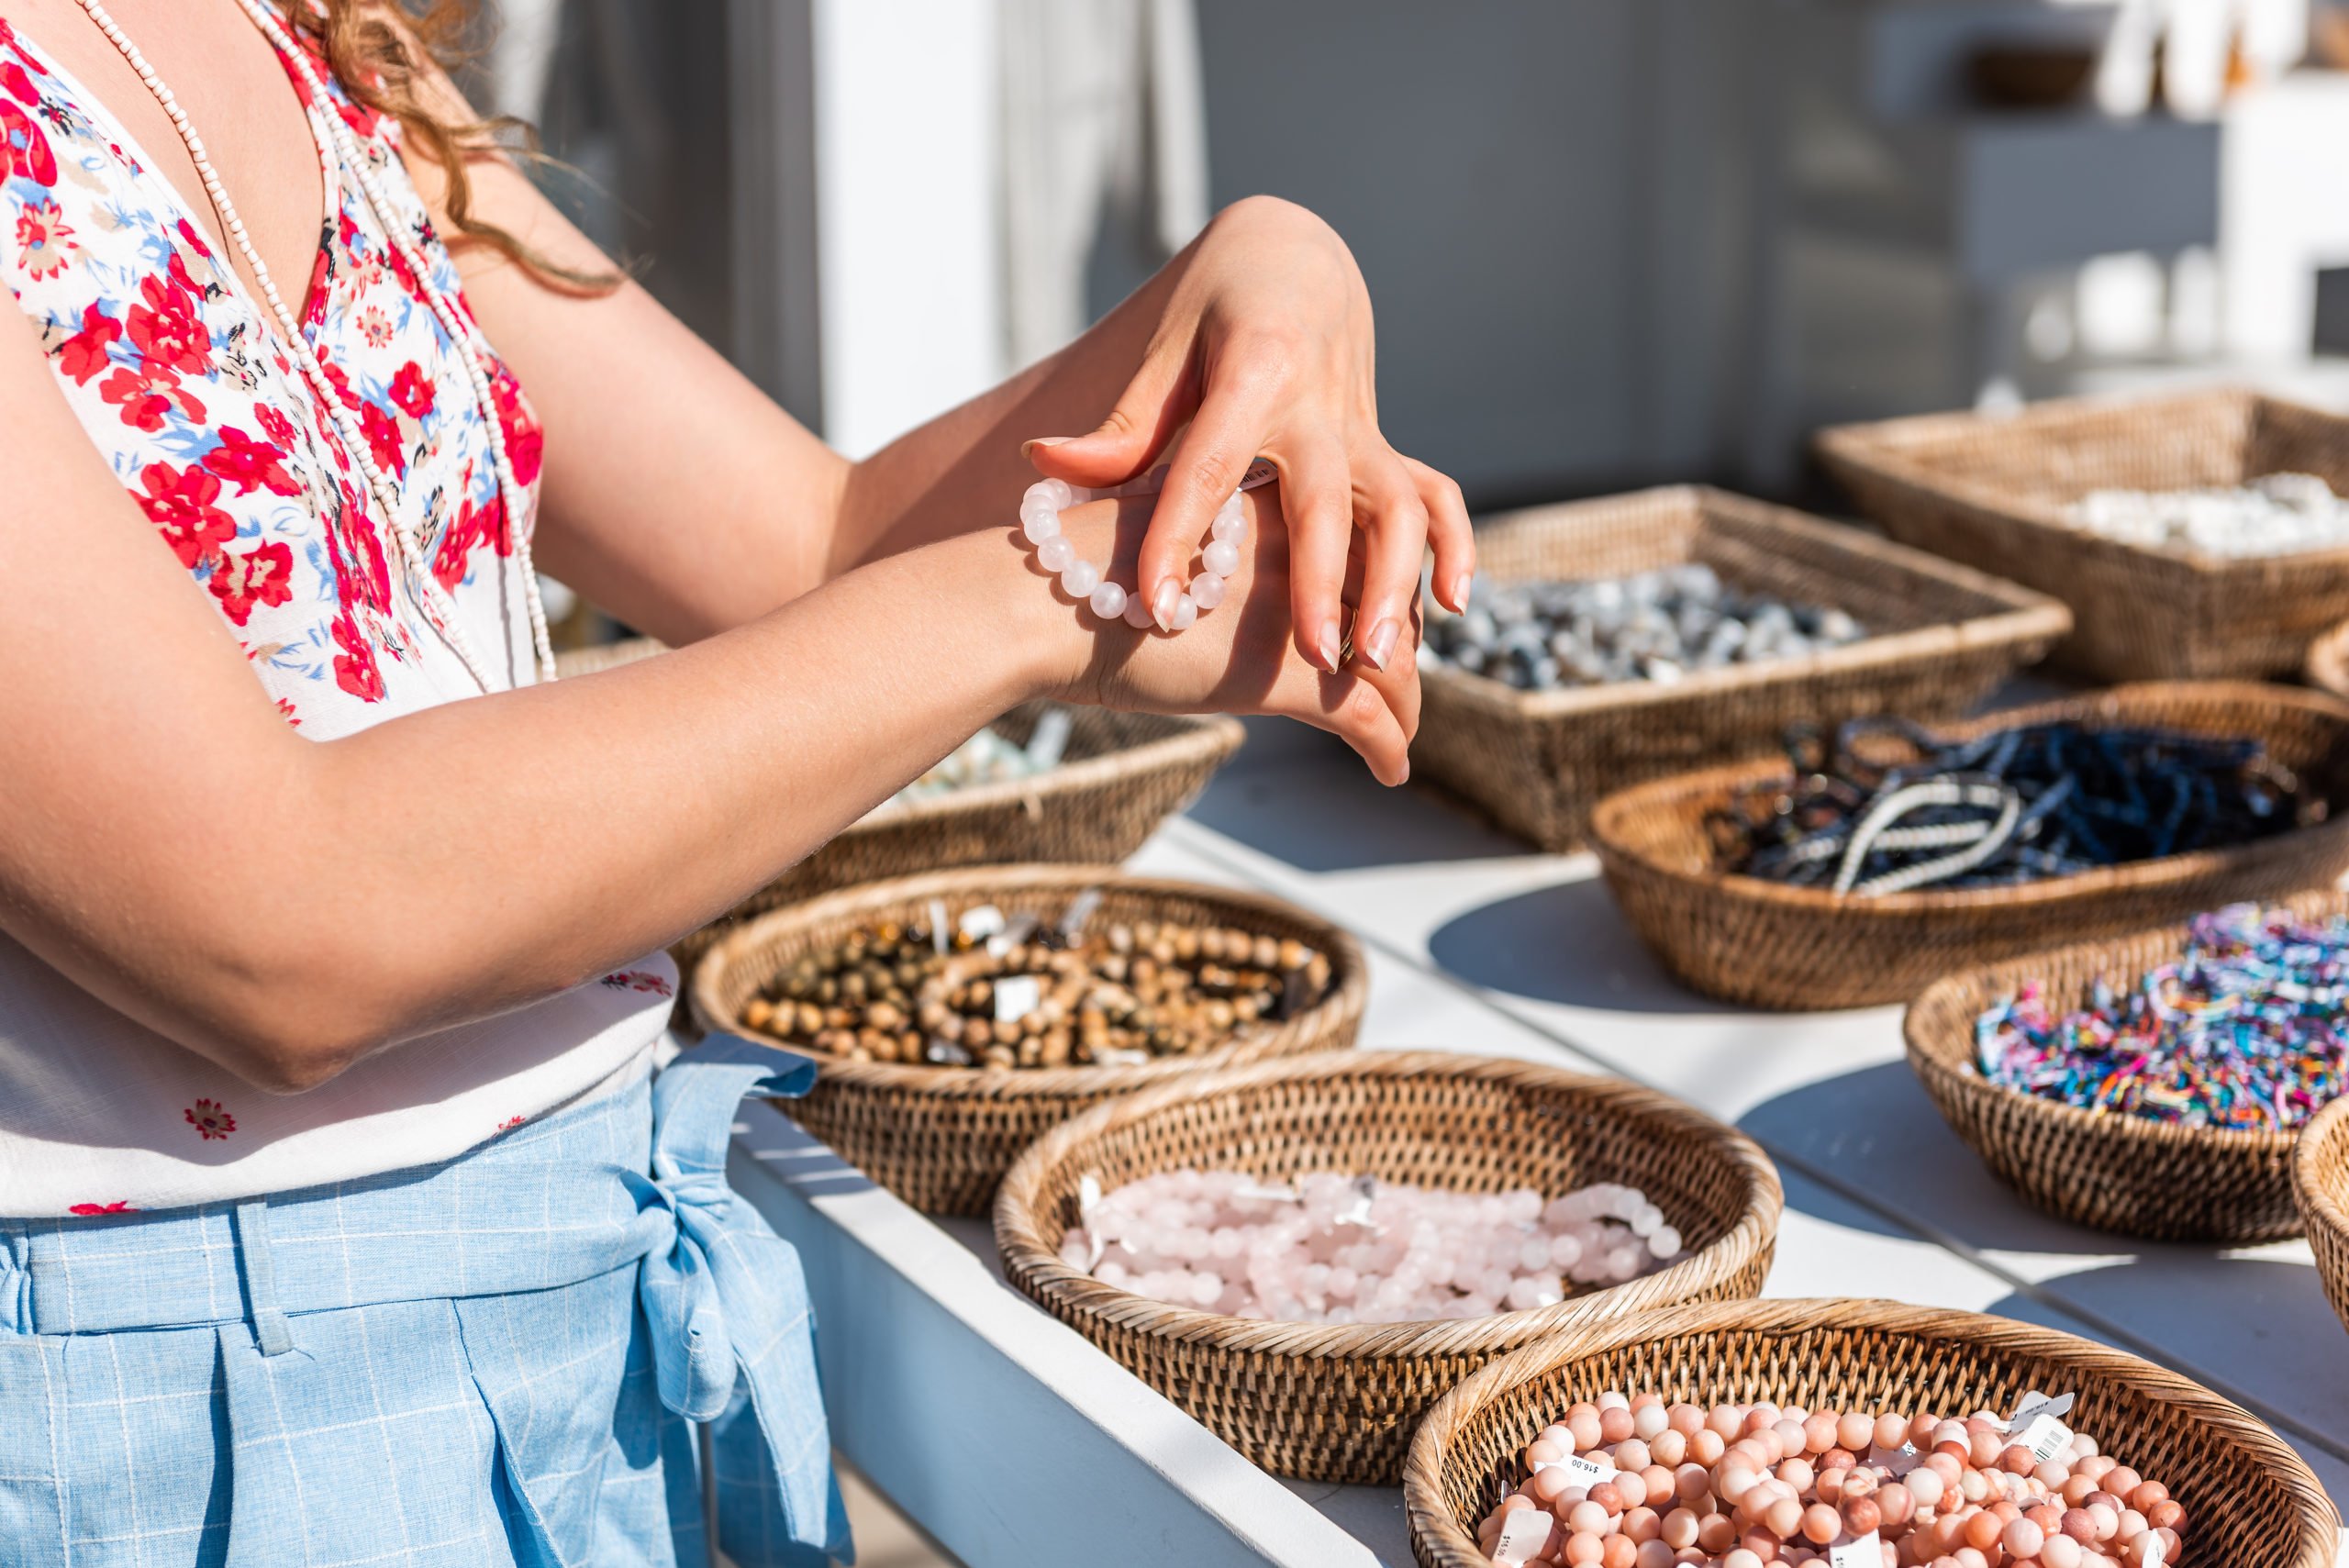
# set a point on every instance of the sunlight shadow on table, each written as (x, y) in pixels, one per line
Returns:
(1565, 943)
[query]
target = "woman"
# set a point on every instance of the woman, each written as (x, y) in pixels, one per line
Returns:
(345, 1220)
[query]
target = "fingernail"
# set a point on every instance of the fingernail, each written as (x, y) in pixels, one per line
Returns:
(1381, 646)
(1027, 449)
(1163, 603)
(1459, 598)
(1327, 647)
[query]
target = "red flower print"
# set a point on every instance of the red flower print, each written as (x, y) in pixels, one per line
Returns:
(321, 283)
(24, 147)
(285, 711)
(19, 85)
(194, 239)
(166, 329)
(102, 1208)
(84, 354)
(524, 443)
(249, 465)
(509, 1124)
(354, 667)
(396, 258)
(180, 506)
(146, 397)
(211, 1118)
(375, 324)
(275, 425)
(241, 579)
(382, 438)
(638, 980)
(44, 239)
(412, 392)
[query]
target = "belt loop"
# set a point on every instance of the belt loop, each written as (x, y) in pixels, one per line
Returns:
(271, 1330)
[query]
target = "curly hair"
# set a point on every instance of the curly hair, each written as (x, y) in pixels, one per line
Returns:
(385, 53)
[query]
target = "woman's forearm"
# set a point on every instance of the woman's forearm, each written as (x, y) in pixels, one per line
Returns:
(490, 853)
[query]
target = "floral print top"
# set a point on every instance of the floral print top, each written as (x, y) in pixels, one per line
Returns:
(181, 379)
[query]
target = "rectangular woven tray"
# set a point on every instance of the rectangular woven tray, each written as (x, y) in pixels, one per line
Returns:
(1992, 490)
(1940, 636)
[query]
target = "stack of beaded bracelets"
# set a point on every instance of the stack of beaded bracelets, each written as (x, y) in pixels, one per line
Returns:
(1039, 523)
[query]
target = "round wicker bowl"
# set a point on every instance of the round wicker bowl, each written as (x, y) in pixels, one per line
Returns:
(2250, 1500)
(941, 1137)
(2113, 1172)
(2321, 1185)
(1123, 774)
(2328, 661)
(1762, 944)
(1336, 1403)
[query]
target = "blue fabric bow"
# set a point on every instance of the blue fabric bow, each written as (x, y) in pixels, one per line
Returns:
(732, 1332)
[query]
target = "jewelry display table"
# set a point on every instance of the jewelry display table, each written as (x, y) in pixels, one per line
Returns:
(1012, 1440)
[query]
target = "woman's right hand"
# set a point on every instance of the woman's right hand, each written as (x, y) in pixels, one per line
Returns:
(1241, 657)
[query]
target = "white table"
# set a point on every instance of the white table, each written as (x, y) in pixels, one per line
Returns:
(1013, 1442)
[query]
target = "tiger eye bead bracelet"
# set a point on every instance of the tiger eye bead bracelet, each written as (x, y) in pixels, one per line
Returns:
(1023, 994)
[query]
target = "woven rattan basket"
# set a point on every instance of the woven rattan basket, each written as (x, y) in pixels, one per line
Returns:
(2321, 1186)
(2114, 1171)
(1336, 1403)
(1991, 491)
(1767, 945)
(1123, 774)
(2250, 1501)
(1537, 762)
(941, 1137)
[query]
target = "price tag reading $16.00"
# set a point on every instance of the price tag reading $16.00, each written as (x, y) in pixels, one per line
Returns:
(1860, 1552)
(1524, 1533)
(1585, 1473)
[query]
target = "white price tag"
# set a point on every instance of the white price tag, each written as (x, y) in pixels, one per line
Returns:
(1016, 996)
(981, 923)
(1524, 1533)
(1897, 1462)
(1587, 1472)
(1080, 910)
(1860, 1552)
(1088, 1195)
(1358, 1211)
(2035, 1427)
(2153, 1558)
(1252, 1191)
(939, 936)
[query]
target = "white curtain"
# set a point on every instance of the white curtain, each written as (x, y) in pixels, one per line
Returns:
(1103, 128)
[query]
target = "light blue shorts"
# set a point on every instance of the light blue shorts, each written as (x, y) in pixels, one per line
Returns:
(495, 1361)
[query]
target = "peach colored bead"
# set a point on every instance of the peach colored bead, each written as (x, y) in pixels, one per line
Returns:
(1972, 1484)
(1790, 1436)
(1829, 1485)
(1679, 1529)
(1838, 1458)
(2132, 1525)
(2169, 1514)
(1968, 1557)
(1657, 1486)
(1925, 1485)
(1715, 1533)
(1898, 1504)
(1727, 1420)
(1692, 1482)
(1641, 1524)
(2052, 1475)
(2146, 1495)
(1708, 1446)
(2120, 1481)
(1685, 1418)
(1669, 1448)
(1631, 1454)
(1982, 1531)
(1584, 1550)
(1588, 1518)
(1862, 1515)
(1821, 1524)
(1783, 1517)
(2105, 1519)
(1583, 1422)
(1796, 1474)
(1818, 1433)
(1608, 1494)
(2060, 1551)
(1853, 1430)
(1614, 1426)
(1618, 1551)
(1891, 1432)
(1983, 1450)
(2075, 1489)
(1742, 1558)
(2079, 1526)
(2095, 1467)
(1653, 1555)
(2023, 1538)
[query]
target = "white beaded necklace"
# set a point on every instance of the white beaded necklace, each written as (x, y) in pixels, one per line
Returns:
(338, 152)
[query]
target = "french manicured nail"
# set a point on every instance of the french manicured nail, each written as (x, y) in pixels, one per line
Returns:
(1459, 595)
(1162, 604)
(1027, 449)
(1327, 647)
(1381, 646)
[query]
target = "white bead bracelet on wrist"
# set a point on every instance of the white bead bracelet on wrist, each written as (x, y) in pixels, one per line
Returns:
(1040, 524)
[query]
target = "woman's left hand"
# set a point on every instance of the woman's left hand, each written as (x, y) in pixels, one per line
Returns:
(1264, 347)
